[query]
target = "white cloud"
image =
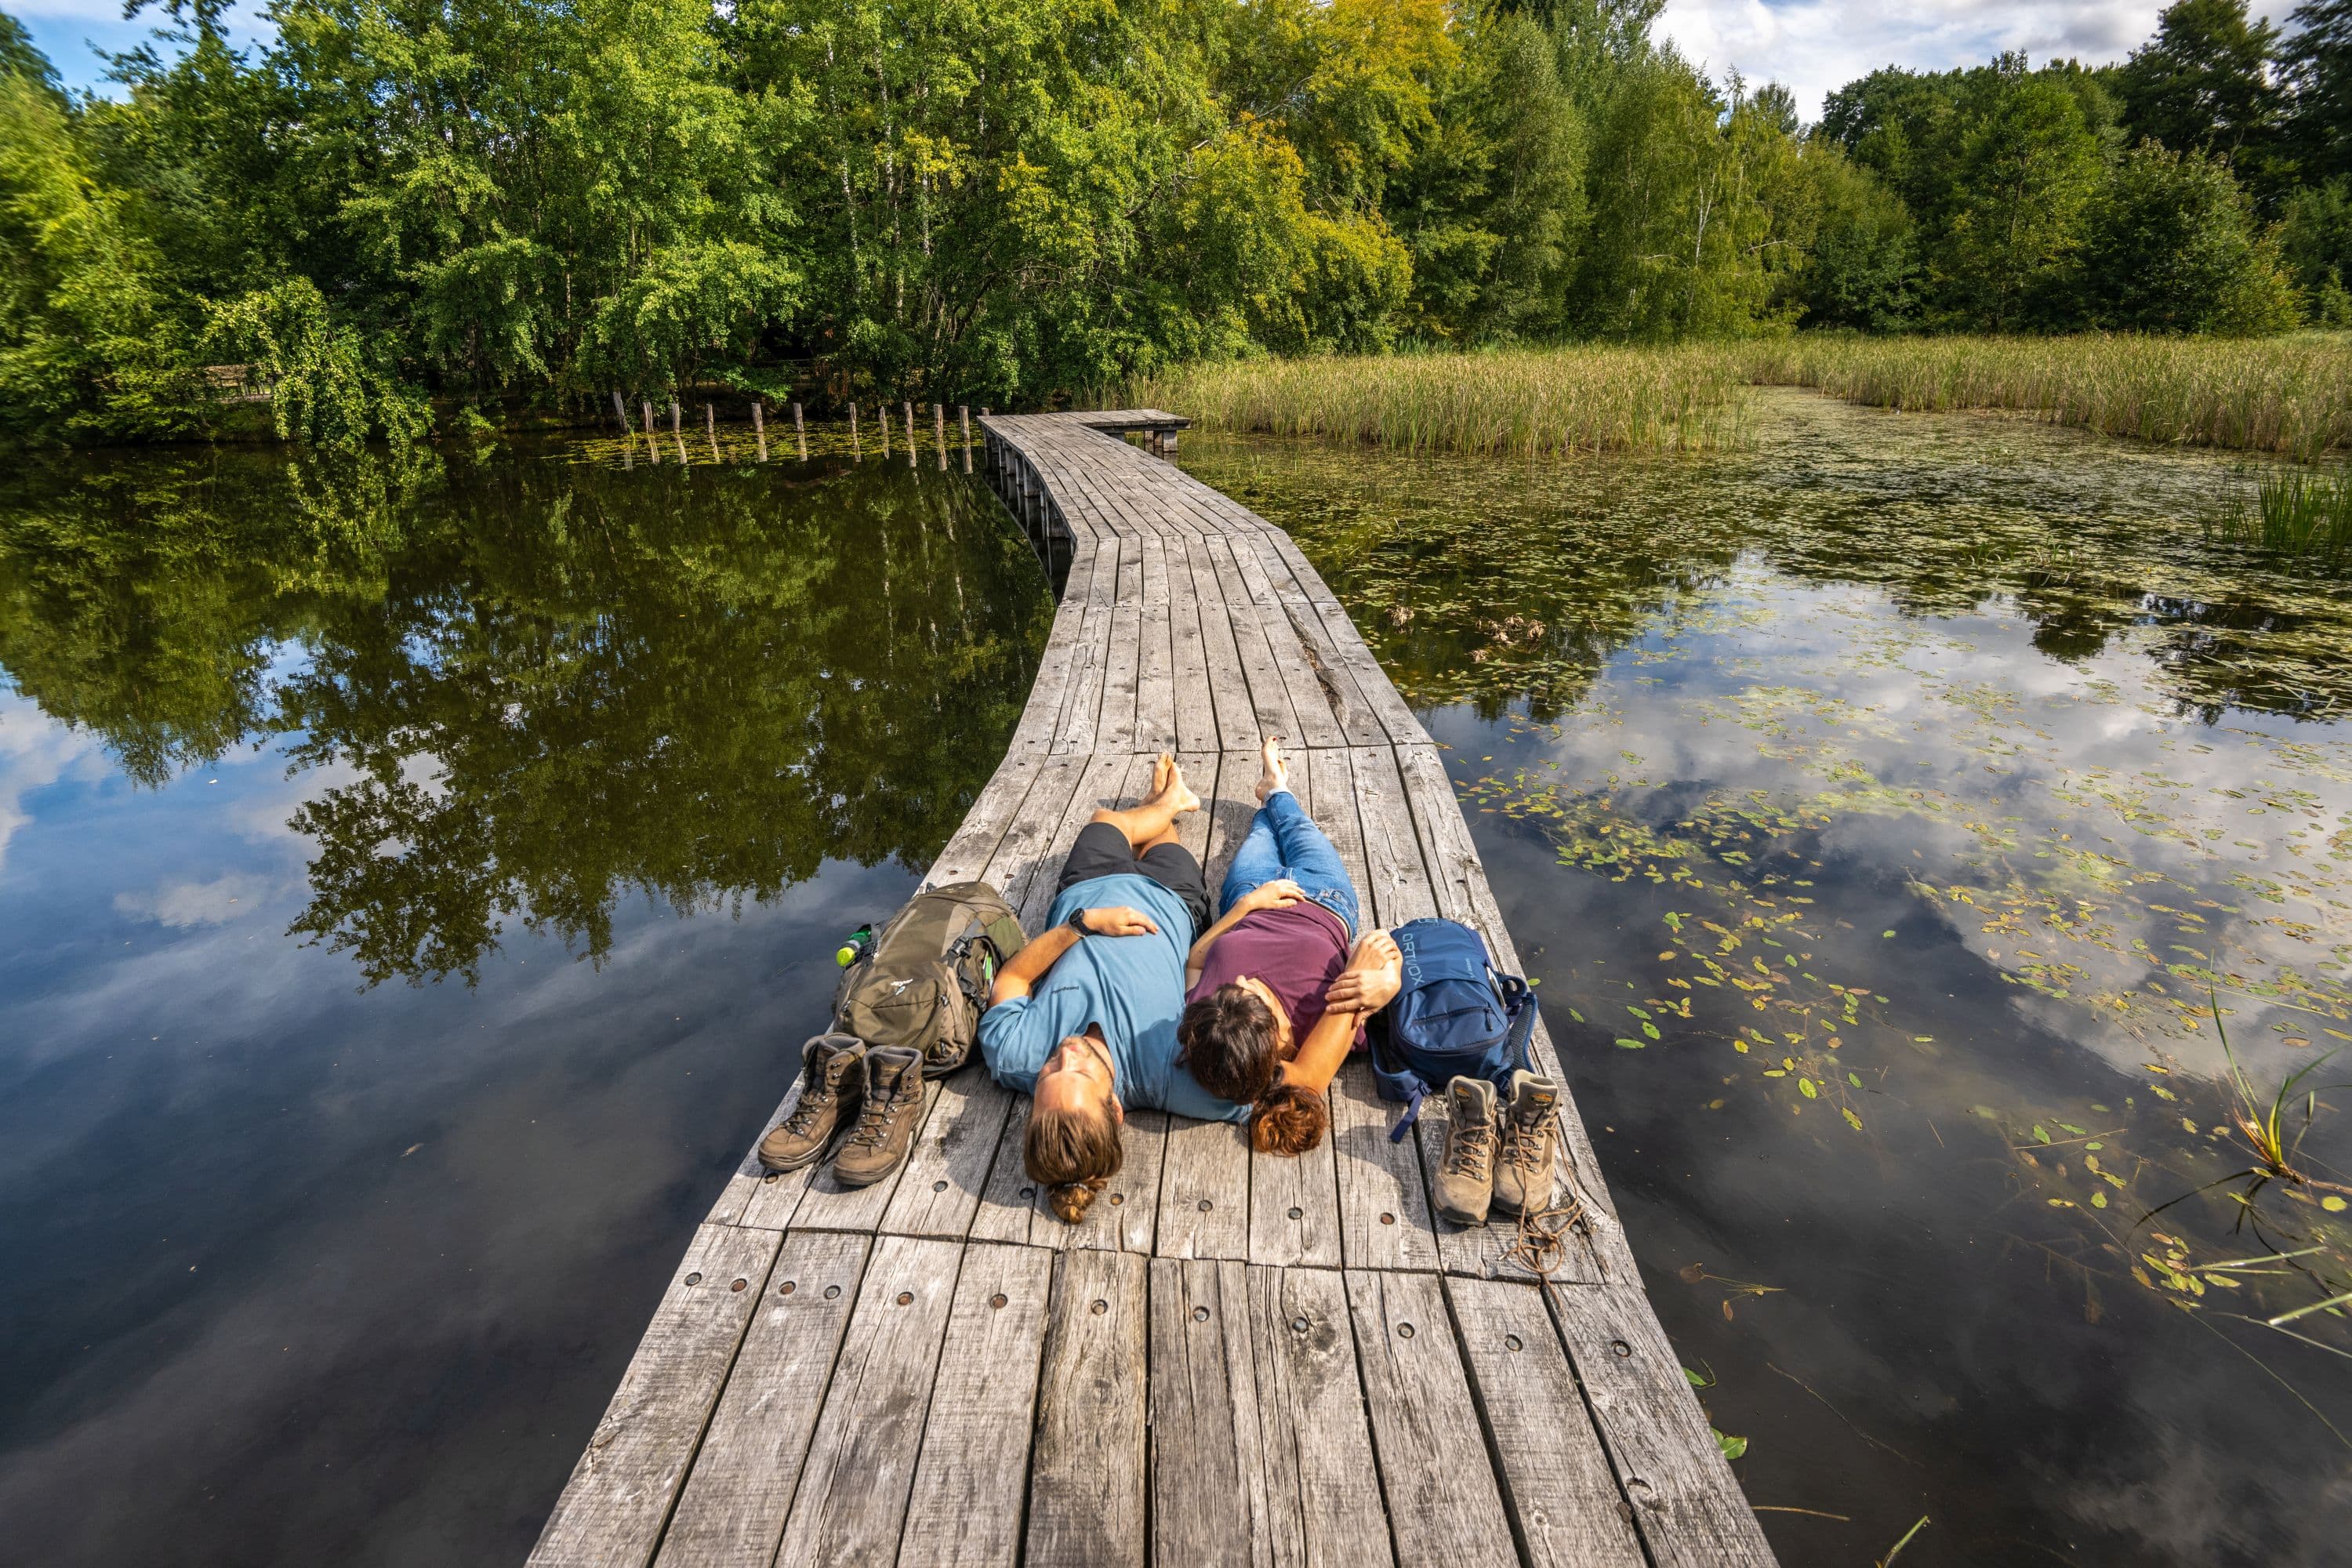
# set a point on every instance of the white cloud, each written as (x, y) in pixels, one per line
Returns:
(36, 752)
(1818, 46)
(183, 903)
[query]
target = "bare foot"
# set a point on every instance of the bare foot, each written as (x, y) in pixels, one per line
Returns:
(1275, 772)
(1168, 785)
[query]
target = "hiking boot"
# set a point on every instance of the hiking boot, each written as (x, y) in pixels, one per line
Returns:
(1528, 1169)
(877, 1145)
(1465, 1167)
(833, 1076)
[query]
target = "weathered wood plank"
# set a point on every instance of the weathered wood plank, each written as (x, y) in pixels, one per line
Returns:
(1261, 663)
(735, 1197)
(966, 1503)
(1208, 1478)
(741, 1490)
(1123, 658)
(1566, 1510)
(1384, 1218)
(852, 1502)
(1289, 656)
(1155, 691)
(1237, 722)
(1442, 1501)
(1319, 1468)
(1085, 1463)
(1686, 1503)
(613, 1509)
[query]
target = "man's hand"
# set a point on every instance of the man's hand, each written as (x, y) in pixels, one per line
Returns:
(1120, 921)
(1273, 894)
(1375, 973)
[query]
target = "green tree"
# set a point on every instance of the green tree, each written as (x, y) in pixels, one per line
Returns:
(2028, 162)
(2206, 82)
(2172, 245)
(1862, 270)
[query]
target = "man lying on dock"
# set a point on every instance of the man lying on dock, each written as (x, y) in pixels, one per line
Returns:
(1083, 1018)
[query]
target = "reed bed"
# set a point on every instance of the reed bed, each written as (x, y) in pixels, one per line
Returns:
(2288, 395)
(2302, 516)
(1521, 403)
(2291, 396)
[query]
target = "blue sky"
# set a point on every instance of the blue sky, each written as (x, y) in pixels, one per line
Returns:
(1814, 45)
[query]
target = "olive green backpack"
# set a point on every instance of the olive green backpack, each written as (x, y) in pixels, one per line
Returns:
(924, 980)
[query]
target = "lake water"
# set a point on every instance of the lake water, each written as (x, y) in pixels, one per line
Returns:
(414, 887)
(1883, 807)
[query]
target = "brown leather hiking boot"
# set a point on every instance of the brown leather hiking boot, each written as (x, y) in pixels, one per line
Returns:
(832, 1077)
(877, 1145)
(1465, 1168)
(1527, 1174)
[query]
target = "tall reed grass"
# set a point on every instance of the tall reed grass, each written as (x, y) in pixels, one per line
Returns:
(1522, 402)
(2304, 517)
(2287, 395)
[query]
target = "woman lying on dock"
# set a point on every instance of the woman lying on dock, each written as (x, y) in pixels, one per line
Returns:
(1275, 999)
(1083, 1018)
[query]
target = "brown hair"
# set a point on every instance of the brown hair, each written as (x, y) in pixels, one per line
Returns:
(1073, 1154)
(1289, 1119)
(1229, 1043)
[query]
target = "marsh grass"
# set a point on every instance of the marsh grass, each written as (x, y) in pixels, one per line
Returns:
(2304, 516)
(1520, 402)
(2289, 396)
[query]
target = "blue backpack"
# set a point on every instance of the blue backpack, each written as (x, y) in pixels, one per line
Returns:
(1455, 1016)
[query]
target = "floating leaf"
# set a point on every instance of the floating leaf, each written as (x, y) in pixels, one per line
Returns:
(1854, 1079)
(2039, 1135)
(1694, 1379)
(1886, 934)
(1733, 1447)
(2098, 1200)
(1652, 1030)
(2332, 1204)
(2070, 1126)
(1632, 1044)
(1851, 1119)
(1805, 1087)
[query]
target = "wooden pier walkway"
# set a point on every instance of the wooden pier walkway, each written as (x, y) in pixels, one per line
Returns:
(1236, 1358)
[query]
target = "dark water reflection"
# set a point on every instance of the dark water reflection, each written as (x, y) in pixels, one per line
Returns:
(1878, 804)
(597, 763)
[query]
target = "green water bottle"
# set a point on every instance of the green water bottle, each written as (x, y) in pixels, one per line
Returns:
(860, 943)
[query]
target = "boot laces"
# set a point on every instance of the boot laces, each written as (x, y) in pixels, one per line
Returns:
(873, 1121)
(1469, 1149)
(816, 1096)
(1528, 1144)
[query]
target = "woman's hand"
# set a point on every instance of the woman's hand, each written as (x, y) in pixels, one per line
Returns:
(1120, 922)
(1273, 894)
(1375, 973)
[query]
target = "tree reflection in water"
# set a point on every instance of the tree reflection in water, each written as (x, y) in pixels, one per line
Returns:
(538, 685)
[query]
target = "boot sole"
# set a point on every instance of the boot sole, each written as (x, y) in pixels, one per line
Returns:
(867, 1179)
(811, 1158)
(1461, 1219)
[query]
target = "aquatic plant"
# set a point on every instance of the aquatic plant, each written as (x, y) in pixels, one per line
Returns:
(1523, 403)
(2291, 395)
(2301, 515)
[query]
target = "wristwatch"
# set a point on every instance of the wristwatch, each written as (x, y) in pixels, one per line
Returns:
(1077, 922)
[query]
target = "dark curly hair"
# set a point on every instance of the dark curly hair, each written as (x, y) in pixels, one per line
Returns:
(1230, 1044)
(1291, 1119)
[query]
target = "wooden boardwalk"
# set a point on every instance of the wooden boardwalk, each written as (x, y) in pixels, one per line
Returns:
(1236, 1358)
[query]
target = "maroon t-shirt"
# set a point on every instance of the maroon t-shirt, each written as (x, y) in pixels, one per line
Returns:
(1294, 952)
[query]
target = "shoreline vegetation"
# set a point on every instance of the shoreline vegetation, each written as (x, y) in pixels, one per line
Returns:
(2287, 397)
(392, 222)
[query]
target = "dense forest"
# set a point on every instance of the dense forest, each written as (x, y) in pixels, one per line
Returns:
(495, 206)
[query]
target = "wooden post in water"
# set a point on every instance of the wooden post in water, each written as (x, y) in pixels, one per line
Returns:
(939, 433)
(673, 416)
(855, 450)
(910, 432)
(882, 420)
(649, 407)
(800, 432)
(620, 411)
(760, 425)
(963, 417)
(711, 428)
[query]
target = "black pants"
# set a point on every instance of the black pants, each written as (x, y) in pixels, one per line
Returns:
(1102, 850)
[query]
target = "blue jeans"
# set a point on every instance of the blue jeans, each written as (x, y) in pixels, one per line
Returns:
(1283, 841)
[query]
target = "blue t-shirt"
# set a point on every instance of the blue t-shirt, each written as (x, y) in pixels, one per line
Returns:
(1131, 986)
